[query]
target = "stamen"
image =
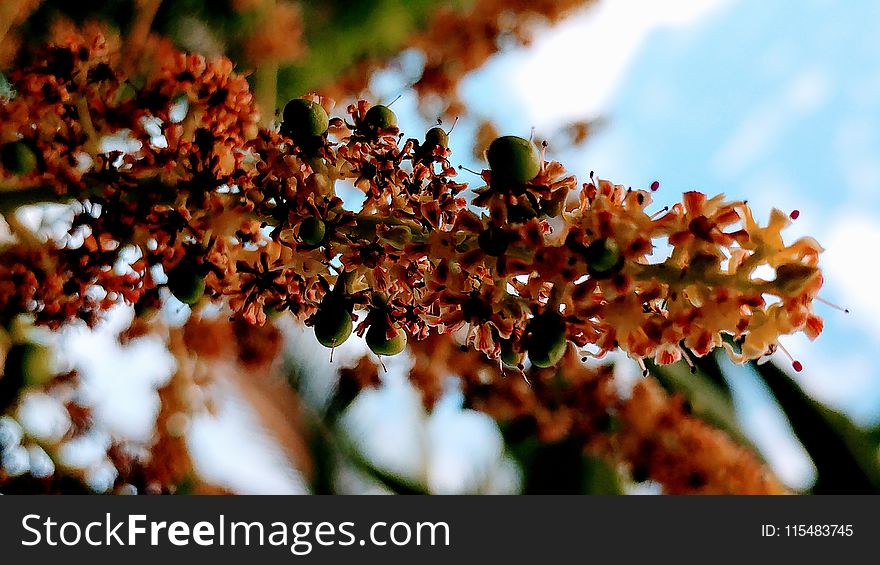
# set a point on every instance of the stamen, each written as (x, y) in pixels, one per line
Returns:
(794, 214)
(453, 125)
(463, 168)
(662, 210)
(384, 368)
(831, 304)
(544, 146)
(655, 186)
(795, 364)
(688, 360)
(641, 363)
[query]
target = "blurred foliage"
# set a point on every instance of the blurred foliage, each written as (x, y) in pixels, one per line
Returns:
(357, 30)
(338, 33)
(844, 454)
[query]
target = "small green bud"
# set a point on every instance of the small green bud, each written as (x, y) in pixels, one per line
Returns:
(513, 159)
(312, 231)
(546, 339)
(333, 322)
(186, 282)
(379, 343)
(29, 363)
(510, 356)
(305, 119)
(436, 137)
(18, 158)
(602, 256)
(380, 117)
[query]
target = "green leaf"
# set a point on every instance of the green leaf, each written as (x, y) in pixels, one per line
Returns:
(560, 467)
(600, 477)
(708, 400)
(844, 454)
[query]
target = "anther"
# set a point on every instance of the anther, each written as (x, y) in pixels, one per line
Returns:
(657, 214)
(795, 364)
(463, 168)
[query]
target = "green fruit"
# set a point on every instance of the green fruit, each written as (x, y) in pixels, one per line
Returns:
(186, 283)
(312, 231)
(378, 342)
(602, 256)
(514, 159)
(148, 304)
(436, 137)
(546, 339)
(510, 356)
(304, 118)
(29, 364)
(333, 321)
(380, 117)
(18, 158)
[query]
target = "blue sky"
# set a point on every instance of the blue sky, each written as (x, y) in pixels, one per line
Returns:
(774, 102)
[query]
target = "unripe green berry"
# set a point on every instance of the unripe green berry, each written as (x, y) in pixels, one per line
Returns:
(148, 304)
(379, 343)
(546, 339)
(513, 159)
(304, 119)
(333, 321)
(602, 256)
(312, 231)
(186, 282)
(436, 137)
(29, 364)
(510, 356)
(380, 117)
(18, 158)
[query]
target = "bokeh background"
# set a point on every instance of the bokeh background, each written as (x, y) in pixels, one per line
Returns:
(774, 102)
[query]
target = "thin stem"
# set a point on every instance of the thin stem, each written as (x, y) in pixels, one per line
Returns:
(266, 79)
(266, 89)
(140, 30)
(85, 120)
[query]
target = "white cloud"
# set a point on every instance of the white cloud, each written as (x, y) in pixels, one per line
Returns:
(584, 58)
(851, 271)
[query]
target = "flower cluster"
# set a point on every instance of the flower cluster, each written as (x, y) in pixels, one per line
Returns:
(202, 201)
